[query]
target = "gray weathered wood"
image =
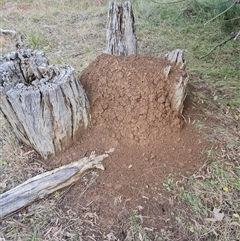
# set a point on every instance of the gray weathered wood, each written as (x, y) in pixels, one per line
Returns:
(46, 105)
(178, 93)
(46, 183)
(15, 35)
(121, 36)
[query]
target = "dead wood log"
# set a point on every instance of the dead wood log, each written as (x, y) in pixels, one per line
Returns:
(121, 36)
(46, 105)
(46, 183)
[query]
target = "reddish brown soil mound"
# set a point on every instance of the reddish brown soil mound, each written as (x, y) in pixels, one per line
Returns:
(133, 94)
(131, 113)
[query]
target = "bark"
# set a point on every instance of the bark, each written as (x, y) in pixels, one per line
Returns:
(178, 93)
(46, 105)
(121, 36)
(46, 183)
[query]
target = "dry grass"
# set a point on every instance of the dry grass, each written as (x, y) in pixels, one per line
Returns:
(70, 32)
(215, 186)
(14, 159)
(73, 32)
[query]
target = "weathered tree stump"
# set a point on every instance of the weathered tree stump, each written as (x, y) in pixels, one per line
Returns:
(45, 105)
(178, 93)
(121, 36)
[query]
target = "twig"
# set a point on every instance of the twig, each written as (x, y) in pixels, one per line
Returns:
(168, 2)
(237, 35)
(19, 42)
(76, 55)
(6, 31)
(15, 35)
(91, 182)
(235, 2)
(219, 45)
(65, 193)
(232, 19)
(215, 59)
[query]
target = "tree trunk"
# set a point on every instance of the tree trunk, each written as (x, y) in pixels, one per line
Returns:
(46, 183)
(121, 37)
(121, 40)
(45, 105)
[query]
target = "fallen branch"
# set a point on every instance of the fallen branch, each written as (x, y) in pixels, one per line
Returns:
(46, 183)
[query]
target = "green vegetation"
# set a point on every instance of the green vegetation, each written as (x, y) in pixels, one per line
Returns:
(216, 76)
(166, 26)
(136, 231)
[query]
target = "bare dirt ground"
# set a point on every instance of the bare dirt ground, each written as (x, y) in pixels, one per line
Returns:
(133, 179)
(131, 114)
